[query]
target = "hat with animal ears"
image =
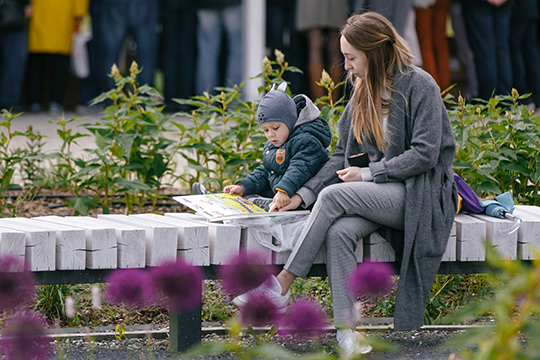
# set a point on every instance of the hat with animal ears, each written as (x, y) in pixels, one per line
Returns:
(277, 105)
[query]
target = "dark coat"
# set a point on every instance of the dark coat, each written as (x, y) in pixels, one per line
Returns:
(304, 154)
(420, 154)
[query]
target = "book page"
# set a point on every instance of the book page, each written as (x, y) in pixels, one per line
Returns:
(223, 206)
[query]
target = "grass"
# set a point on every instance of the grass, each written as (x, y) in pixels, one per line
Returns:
(450, 293)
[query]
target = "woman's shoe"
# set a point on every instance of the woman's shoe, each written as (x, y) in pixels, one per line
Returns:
(352, 344)
(271, 288)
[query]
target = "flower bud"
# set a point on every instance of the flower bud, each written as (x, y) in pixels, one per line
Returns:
(115, 73)
(96, 297)
(134, 69)
(267, 65)
(70, 307)
(326, 80)
(515, 93)
(280, 58)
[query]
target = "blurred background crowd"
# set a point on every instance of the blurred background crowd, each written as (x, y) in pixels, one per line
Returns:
(186, 47)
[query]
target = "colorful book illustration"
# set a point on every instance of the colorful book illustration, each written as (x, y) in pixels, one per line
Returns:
(222, 206)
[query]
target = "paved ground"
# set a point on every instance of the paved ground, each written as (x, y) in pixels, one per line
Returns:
(426, 344)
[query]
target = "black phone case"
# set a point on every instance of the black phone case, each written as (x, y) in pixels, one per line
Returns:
(360, 160)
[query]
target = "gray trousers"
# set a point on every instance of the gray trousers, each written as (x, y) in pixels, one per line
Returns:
(343, 214)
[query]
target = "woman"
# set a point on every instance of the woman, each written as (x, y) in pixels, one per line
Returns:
(396, 116)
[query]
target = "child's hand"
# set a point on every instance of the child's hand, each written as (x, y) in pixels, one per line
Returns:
(281, 199)
(234, 189)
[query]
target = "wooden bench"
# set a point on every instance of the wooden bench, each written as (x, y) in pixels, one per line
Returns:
(70, 250)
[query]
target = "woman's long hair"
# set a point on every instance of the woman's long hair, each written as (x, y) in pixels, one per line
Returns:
(386, 51)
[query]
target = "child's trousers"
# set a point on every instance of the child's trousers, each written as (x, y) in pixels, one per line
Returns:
(343, 214)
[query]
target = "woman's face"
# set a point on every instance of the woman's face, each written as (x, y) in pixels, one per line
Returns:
(355, 60)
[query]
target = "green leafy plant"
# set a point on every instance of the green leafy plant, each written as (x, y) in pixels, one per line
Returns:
(515, 303)
(52, 301)
(132, 157)
(498, 146)
(10, 157)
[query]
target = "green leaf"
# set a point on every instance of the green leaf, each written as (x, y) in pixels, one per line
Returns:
(132, 184)
(82, 204)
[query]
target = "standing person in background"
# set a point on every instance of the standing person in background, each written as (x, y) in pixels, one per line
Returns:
(178, 50)
(50, 34)
(216, 17)
(465, 53)
(321, 20)
(431, 16)
(13, 56)
(281, 34)
(94, 84)
(406, 192)
(488, 32)
(139, 18)
(396, 11)
(525, 51)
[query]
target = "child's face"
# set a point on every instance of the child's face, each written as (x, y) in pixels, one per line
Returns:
(276, 132)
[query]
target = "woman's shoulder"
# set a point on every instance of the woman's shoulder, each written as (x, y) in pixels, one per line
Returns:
(412, 78)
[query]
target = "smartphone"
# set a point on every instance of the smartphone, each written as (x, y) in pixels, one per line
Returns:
(360, 160)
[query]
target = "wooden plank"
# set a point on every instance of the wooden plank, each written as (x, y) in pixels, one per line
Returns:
(70, 244)
(528, 234)
(130, 242)
(101, 247)
(12, 242)
(224, 239)
(40, 251)
(161, 239)
(451, 246)
(471, 237)
(193, 243)
(504, 244)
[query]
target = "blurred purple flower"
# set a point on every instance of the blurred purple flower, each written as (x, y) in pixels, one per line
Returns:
(245, 271)
(305, 319)
(371, 279)
(132, 287)
(24, 338)
(259, 311)
(180, 282)
(17, 284)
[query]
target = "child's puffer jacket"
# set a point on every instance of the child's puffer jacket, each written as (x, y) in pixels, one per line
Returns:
(289, 166)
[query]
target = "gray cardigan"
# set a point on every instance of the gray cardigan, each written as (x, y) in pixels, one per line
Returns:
(420, 153)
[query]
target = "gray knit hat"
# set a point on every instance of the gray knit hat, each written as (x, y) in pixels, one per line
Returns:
(277, 106)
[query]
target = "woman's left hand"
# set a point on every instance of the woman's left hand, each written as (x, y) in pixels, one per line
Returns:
(352, 173)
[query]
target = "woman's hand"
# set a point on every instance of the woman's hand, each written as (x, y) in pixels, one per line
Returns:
(352, 173)
(234, 189)
(296, 201)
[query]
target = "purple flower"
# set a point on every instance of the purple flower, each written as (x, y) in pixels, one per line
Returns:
(24, 338)
(132, 287)
(259, 311)
(245, 272)
(17, 285)
(180, 282)
(371, 279)
(305, 319)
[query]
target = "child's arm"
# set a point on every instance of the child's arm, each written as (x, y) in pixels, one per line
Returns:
(281, 199)
(234, 189)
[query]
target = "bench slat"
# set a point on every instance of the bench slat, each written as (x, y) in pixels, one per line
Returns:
(193, 243)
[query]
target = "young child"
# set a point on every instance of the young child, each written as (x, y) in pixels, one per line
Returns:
(295, 150)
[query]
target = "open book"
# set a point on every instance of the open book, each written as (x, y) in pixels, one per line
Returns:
(219, 207)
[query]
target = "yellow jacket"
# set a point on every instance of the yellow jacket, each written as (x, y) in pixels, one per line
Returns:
(52, 25)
